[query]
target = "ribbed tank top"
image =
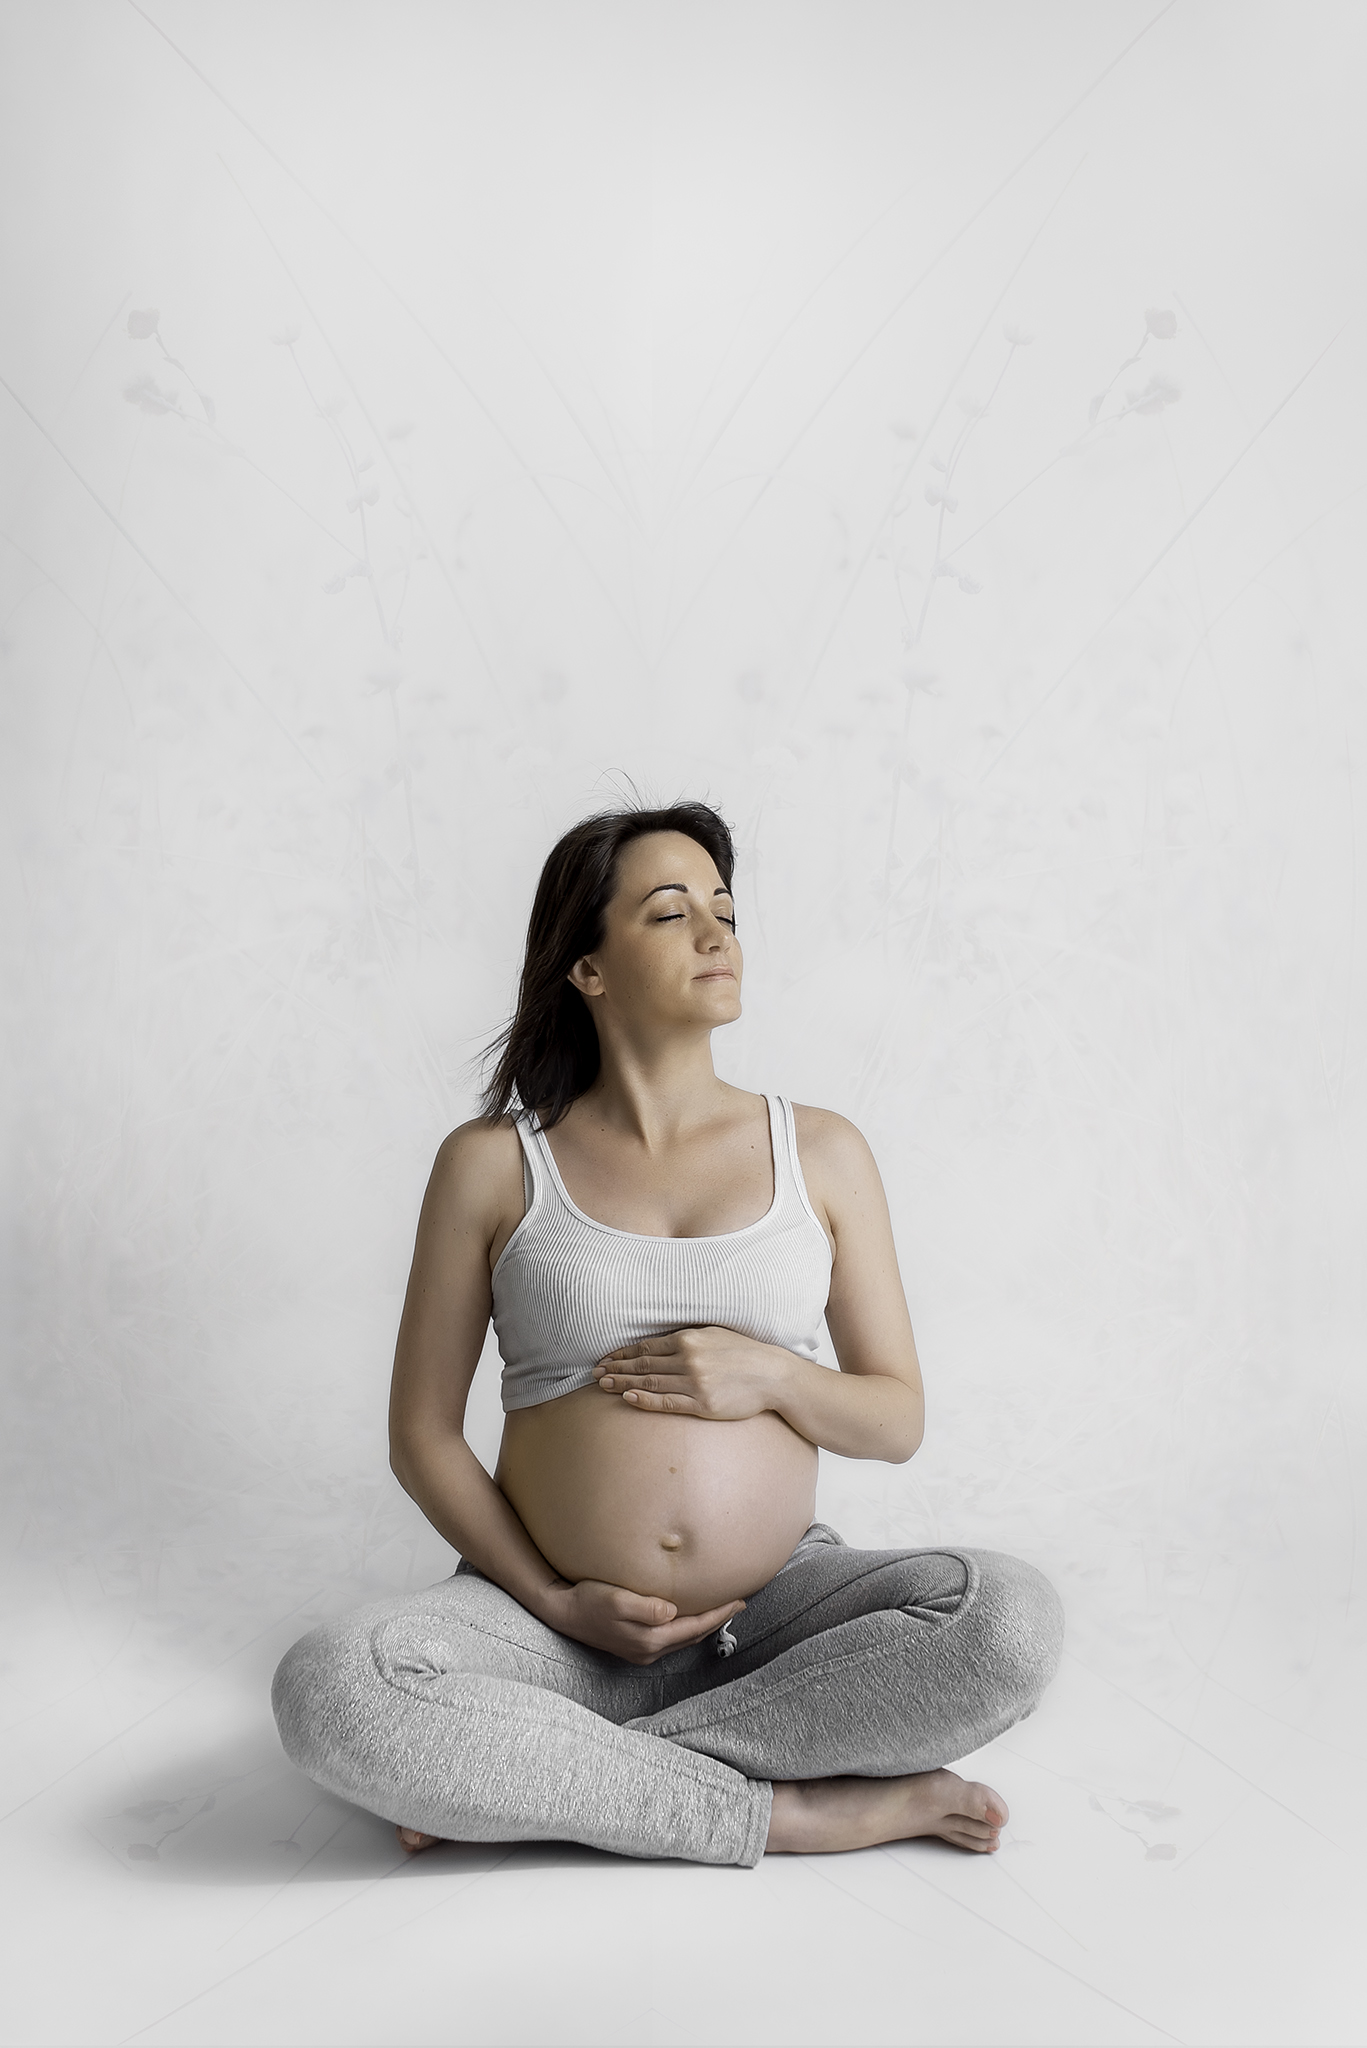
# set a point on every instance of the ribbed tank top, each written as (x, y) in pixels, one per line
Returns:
(568, 1289)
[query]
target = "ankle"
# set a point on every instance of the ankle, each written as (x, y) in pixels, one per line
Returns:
(790, 1817)
(779, 1816)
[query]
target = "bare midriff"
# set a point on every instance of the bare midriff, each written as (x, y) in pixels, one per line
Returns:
(696, 1512)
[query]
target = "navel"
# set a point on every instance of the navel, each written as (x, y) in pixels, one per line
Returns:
(671, 1543)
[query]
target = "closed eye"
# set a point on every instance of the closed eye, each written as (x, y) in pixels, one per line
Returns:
(674, 915)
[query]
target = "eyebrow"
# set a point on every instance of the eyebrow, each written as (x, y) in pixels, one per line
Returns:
(677, 885)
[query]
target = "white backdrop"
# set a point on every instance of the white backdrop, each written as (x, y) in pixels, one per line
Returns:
(934, 435)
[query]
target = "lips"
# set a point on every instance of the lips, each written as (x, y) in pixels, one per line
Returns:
(718, 974)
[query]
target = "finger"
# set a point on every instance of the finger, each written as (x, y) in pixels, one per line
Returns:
(645, 1610)
(647, 1382)
(685, 1629)
(635, 1364)
(663, 1404)
(676, 1637)
(691, 1628)
(642, 1347)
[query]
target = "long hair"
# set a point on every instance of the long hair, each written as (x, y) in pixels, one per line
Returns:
(550, 1051)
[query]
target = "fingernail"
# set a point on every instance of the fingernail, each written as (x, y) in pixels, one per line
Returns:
(607, 1379)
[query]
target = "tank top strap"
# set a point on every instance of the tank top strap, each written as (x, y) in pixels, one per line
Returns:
(785, 1183)
(534, 1176)
(785, 1140)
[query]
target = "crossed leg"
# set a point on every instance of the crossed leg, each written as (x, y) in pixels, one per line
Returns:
(851, 1662)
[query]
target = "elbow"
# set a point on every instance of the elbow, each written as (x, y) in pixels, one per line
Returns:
(891, 1447)
(401, 1457)
(911, 1436)
(900, 1451)
(413, 1449)
(893, 1435)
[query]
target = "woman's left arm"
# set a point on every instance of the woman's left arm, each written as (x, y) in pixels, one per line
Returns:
(874, 1407)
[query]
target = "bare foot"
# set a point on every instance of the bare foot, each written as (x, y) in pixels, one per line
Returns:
(412, 1840)
(815, 1815)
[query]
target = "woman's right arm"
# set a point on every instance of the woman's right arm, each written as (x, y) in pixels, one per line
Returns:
(441, 1335)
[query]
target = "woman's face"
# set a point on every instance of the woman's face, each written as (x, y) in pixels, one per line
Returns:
(669, 954)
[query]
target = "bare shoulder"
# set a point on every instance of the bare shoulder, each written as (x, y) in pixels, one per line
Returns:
(837, 1163)
(479, 1142)
(478, 1168)
(829, 1137)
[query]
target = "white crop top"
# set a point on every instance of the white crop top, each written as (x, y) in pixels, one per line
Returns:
(568, 1289)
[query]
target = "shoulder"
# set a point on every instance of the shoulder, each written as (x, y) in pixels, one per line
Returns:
(479, 1166)
(837, 1162)
(479, 1142)
(829, 1137)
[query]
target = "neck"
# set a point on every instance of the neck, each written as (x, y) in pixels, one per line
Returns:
(655, 1094)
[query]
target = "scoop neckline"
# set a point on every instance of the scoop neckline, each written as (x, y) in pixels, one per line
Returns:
(656, 1236)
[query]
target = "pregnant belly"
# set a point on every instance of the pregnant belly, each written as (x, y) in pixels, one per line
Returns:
(696, 1512)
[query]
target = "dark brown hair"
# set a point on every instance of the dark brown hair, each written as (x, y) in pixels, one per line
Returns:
(550, 1050)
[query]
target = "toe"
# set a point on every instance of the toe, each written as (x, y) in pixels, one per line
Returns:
(984, 1804)
(980, 1844)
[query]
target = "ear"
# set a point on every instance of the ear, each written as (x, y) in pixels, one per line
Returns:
(586, 979)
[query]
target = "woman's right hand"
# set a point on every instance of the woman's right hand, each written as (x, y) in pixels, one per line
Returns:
(638, 1627)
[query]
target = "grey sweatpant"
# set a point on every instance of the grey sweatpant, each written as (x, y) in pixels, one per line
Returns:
(457, 1712)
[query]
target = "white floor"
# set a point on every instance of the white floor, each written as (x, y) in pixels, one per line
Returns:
(1180, 1866)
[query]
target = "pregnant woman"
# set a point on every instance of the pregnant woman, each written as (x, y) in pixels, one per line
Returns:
(649, 1645)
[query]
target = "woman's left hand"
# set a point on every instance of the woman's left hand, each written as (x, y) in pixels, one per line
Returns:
(708, 1371)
